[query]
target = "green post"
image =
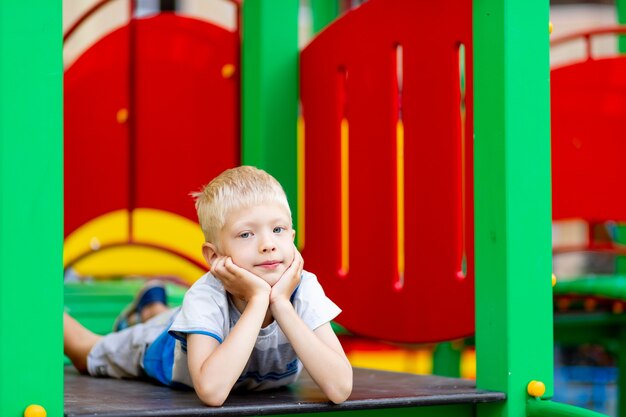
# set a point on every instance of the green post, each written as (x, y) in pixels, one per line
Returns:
(323, 12)
(447, 360)
(270, 90)
(512, 200)
(31, 207)
(620, 8)
(621, 375)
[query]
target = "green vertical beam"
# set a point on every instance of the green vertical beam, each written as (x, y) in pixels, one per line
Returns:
(323, 12)
(621, 374)
(31, 207)
(620, 8)
(447, 360)
(270, 90)
(512, 200)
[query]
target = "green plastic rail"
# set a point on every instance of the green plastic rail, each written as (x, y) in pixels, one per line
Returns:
(542, 408)
(610, 286)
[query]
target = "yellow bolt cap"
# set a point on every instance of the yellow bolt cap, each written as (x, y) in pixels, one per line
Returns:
(553, 280)
(228, 70)
(536, 388)
(35, 410)
(550, 27)
(122, 115)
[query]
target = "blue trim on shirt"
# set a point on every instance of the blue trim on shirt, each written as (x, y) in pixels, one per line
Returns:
(292, 368)
(183, 340)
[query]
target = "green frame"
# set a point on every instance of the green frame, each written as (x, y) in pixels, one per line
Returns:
(620, 11)
(269, 85)
(323, 12)
(512, 200)
(31, 207)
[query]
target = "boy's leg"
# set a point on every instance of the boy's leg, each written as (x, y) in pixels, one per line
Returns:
(121, 354)
(151, 310)
(77, 342)
(150, 301)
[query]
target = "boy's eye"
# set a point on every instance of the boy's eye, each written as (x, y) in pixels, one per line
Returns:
(245, 235)
(278, 229)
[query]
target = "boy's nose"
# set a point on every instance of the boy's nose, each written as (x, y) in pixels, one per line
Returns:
(267, 245)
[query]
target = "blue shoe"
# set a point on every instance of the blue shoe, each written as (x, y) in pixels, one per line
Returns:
(152, 292)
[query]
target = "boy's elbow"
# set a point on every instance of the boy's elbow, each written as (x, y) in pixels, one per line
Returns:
(340, 391)
(213, 400)
(211, 396)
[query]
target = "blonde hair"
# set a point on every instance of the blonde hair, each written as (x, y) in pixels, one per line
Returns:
(233, 189)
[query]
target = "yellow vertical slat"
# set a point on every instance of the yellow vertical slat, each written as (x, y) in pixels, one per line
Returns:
(400, 200)
(300, 235)
(345, 223)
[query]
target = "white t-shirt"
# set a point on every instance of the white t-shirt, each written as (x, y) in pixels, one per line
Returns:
(208, 310)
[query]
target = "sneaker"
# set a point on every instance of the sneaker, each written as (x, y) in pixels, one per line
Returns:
(152, 292)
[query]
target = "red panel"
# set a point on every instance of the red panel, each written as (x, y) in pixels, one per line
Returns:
(187, 112)
(588, 146)
(96, 145)
(186, 118)
(434, 303)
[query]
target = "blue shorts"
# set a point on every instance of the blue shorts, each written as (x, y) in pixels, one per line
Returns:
(122, 354)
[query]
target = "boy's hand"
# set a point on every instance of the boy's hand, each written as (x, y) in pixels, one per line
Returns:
(289, 281)
(237, 281)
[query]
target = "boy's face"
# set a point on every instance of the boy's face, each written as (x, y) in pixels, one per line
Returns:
(259, 239)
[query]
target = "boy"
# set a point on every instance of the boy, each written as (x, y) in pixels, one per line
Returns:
(252, 322)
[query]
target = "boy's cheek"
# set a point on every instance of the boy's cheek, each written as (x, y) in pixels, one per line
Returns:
(293, 256)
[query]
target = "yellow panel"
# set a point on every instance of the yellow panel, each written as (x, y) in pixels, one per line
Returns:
(420, 361)
(417, 361)
(105, 230)
(137, 260)
(468, 364)
(170, 231)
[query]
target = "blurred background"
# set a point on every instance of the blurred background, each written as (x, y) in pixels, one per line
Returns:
(127, 233)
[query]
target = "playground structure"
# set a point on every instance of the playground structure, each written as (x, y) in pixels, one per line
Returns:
(183, 87)
(588, 110)
(511, 222)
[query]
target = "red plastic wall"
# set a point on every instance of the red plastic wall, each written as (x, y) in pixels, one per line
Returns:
(588, 140)
(434, 303)
(184, 118)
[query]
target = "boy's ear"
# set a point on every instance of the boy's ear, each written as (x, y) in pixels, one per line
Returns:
(209, 251)
(293, 234)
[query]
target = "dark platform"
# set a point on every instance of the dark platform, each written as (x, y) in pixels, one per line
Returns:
(88, 396)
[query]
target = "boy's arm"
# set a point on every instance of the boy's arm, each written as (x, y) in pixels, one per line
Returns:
(319, 349)
(215, 367)
(320, 352)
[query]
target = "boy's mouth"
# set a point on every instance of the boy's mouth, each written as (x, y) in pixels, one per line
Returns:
(269, 264)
